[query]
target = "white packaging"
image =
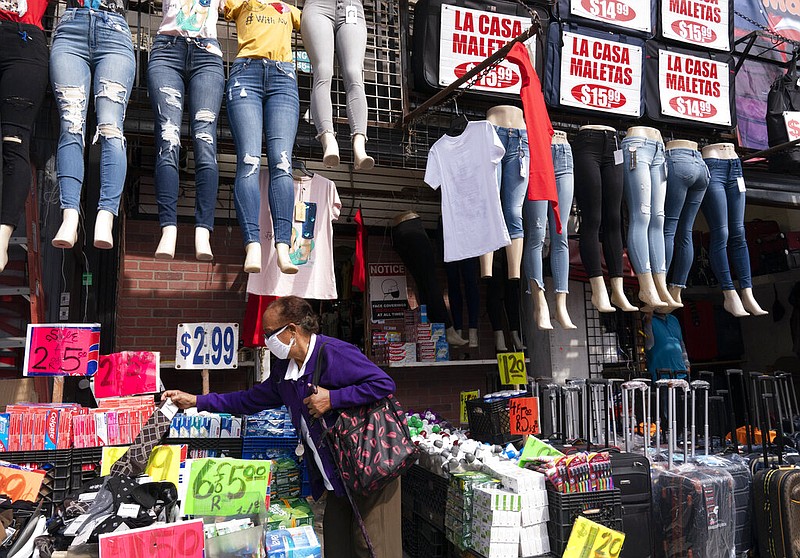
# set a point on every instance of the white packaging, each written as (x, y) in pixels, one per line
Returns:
(496, 518)
(494, 499)
(503, 533)
(492, 549)
(535, 499)
(535, 516)
(533, 540)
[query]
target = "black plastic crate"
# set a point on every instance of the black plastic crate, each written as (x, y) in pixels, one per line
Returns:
(489, 422)
(430, 495)
(55, 463)
(603, 507)
(85, 466)
(409, 530)
(430, 540)
(217, 447)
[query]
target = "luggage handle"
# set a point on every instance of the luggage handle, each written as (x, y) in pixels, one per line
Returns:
(629, 390)
(704, 386)
(767, 395)
(747, 401)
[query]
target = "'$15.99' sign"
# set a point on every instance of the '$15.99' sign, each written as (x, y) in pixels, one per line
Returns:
(207, 346)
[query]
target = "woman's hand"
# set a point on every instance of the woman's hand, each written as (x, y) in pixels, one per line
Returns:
(181, 399)
(318, 403)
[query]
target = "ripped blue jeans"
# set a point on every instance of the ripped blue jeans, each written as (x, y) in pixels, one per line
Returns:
(262, 100)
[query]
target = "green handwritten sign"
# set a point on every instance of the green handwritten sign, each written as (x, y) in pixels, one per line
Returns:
(226, 487)
(534, 447)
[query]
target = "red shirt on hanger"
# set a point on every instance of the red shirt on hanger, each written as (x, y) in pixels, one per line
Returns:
(23, 11)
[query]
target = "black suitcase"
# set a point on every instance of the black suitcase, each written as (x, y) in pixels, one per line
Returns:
(693, 504)
(613, 16)
(783, 96)
(776, 497)
(425, 57)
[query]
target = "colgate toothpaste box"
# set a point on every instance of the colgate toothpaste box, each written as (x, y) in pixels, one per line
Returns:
(5, 428)
(51, 429)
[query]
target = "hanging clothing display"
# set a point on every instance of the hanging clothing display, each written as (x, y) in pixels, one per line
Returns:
(317, 205)
(465, 167)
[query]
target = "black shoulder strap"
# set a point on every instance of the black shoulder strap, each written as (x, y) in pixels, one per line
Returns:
(322, 361)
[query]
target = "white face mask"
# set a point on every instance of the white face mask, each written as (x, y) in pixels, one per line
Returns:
(278, 347)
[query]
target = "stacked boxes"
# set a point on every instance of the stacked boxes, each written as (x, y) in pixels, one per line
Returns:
(273, 423)
(458, 519)
(205, 425)
(285, 479)
(289, 513)
(402, 353)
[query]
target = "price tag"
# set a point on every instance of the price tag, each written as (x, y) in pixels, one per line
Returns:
(740, 184)
(164, 463)
(466, 396)
(207, 346)
(225, 487)
(618, 157)
(176, 540)
(62, 349)
(524, 415)
(592, 539)
(512, 368)
(350, 15)
(127, 373)
(128, 510)
(20, 484)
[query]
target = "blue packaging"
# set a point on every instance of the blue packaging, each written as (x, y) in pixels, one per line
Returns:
(296, 542)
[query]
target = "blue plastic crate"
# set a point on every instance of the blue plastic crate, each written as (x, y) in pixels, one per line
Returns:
(305, 486)
(268, 448)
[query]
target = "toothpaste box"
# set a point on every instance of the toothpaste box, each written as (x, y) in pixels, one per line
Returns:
(51, 428)
(401, 353)
(533, 540)
(295, 542)
(225, 424)
(500, 500)
(5, 426)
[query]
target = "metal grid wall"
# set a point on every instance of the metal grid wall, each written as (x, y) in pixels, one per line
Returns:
(615, 342)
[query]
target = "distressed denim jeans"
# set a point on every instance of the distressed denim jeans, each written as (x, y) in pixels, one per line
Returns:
(723, 208)
(512, 177)
(182, 72)
(92, 51)
(537, 216)
(262, 100)
(645, 187)
(687, 181)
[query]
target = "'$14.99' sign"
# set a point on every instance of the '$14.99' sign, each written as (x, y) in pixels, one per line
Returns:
(207, 346)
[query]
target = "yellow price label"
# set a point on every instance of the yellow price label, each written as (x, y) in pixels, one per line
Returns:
(592, 540)
(164, 463)
(466, 396)
(512, 368)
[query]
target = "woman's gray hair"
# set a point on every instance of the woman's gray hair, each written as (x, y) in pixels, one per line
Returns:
(297, 311)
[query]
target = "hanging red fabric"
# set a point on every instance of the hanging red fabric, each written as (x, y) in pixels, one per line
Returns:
(252, 330)
(541, 176)
(359, 266)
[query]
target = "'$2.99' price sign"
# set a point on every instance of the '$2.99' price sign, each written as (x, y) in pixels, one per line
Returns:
(207, 346)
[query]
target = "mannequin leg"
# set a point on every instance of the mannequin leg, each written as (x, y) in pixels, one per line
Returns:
(486, 264)
(103, 230)
(514, 256)
(252, 260)
(512, 305)
(473, 337)
(317, 27)
(600, 295)
(733, 304)
(675, 292)
(5, 236)
(618, 297)
(647, 291)
(750, 304)
(562, 315)
(202, 244)
(541, 312)
(452, 271)
(166, 247)
(638, 154)
(362, 160)
(500, 341)
(660, 280)
(67, 234)
(495, 293)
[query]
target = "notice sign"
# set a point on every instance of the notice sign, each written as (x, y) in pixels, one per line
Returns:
(127, 373)
(601, 75)
(62, 349)
(792, 120)
(702, 23)
(694, 88)
(467, 396)
(184, 539)
(388, 295)
(523, 415)
(225, 487)
(469, 36)
(20, 484)
(207, 346)
(630, 14)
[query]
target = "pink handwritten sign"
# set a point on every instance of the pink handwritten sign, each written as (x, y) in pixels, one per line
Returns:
(127, 373)
(62, 349)
(177, 540)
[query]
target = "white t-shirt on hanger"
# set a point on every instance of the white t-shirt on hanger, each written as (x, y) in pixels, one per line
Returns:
(312, 243)
(465, 166)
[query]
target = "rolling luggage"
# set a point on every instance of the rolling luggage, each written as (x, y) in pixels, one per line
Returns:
(776, 491)
(693, 504)
(733, 464)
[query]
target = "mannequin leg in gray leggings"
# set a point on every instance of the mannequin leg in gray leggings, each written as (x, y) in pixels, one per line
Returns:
(323, 26)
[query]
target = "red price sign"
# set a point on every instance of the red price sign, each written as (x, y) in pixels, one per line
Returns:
(523, 415)
(62, 349)
(177, 540)
(20, 484)
(127, 373)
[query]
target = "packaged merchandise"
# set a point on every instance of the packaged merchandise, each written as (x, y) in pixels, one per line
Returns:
(283, 514)
(295, 542)
(285, 478)
(273, 423)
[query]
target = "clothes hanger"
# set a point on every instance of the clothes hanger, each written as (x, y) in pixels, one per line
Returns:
(299, 165)
(459, 122)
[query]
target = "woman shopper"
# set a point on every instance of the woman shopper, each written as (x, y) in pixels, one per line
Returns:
(349, 379)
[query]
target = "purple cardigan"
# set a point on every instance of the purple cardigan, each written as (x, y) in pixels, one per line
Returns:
(349, 375)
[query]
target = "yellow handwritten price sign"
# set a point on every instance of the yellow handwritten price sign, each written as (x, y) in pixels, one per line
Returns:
(592, 540)
(225, 487)
(20, 484)
(523, 415)
(512, 368)
(164, 463)
(466, 396)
